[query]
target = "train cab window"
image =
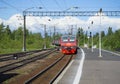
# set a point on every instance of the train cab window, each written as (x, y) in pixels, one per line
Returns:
(72, 38)
(64, 39)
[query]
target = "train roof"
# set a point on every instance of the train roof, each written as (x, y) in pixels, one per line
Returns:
(69, 36)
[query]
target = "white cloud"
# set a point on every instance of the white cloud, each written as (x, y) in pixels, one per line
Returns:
(35, 24)
(1, 20)
(103, 23)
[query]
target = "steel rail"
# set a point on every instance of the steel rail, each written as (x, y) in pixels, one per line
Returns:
(12, 56)
(27, 52)
(43, 71)
(23, 62)
(57, 75)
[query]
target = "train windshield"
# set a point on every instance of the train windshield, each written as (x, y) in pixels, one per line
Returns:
(65, 39)
(72, 38)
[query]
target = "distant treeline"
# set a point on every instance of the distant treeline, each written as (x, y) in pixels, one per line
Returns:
(110, 41)
(12, 41)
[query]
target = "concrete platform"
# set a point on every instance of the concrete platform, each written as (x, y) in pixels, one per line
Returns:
(101, 70)
(96, 70)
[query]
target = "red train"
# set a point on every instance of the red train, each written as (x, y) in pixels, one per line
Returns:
(68, 44)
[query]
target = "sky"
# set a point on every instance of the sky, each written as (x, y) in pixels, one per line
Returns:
(10, 9)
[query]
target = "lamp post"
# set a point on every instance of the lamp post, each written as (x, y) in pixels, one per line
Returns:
(45, 33)
(88, 37)
(100, 11)
(92, 36)
(54, 33)
(24, 28)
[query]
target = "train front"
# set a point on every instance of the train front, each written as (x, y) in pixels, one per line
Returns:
(69, 44)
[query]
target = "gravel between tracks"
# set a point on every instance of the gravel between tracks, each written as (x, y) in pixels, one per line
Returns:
(29, 70)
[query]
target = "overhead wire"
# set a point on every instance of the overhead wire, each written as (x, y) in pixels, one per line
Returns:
(11, 5)
(58, 4)
(33, 2)
(65, 3)
(43, 5)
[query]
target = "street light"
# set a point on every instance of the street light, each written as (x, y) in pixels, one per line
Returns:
(92, 36)
(88, 37)
(100, 11)
(45, 32)
(54, 33)
(24, 29)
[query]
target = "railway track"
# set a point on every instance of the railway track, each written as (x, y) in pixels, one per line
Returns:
(23, 62)
(36, 78)
(56, 76)
(13, 56)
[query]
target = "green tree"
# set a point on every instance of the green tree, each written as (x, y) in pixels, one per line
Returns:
(96, 38)
(18, 33)
(80, 36)
(110, 32)
(102, 34)
(7, 32)
(1, 31)
(111, 41)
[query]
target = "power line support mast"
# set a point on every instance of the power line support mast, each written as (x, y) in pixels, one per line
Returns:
(24, 28)
(24, 32)
(54, 34)
(45, 36)
(100, 34)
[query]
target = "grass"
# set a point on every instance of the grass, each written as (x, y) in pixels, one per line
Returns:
(6, 51)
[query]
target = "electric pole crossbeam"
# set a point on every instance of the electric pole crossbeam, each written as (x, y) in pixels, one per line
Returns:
(70, 13)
